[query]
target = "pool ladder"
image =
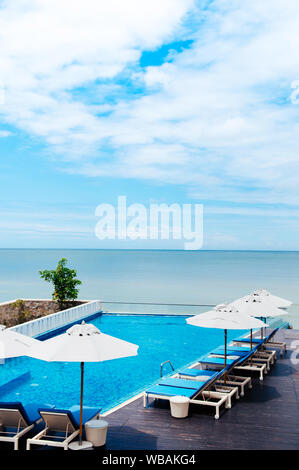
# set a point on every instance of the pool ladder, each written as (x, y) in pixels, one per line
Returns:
(163, 364)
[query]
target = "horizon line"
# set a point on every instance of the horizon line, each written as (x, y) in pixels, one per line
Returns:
(152, 249)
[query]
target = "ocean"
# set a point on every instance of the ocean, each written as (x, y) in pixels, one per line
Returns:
(170, 277)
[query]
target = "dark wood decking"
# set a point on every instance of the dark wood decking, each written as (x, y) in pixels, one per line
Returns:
(266, 418)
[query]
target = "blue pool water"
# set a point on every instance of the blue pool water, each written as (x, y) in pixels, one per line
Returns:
(160, 338)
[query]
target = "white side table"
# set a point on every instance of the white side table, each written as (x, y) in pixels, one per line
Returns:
(179, 406)
(96, 431)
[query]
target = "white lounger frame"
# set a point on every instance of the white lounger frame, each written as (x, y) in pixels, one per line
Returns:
(273, 344)
(265, 357)
(279, 345)
(13, 418)
(223, 398)
(239, 381)
(234, 380)
(223, 393)
(252, 366)
(59, 423)
(205, 399)
(249, 365)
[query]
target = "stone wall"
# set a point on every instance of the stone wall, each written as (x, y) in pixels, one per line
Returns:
(19, 311)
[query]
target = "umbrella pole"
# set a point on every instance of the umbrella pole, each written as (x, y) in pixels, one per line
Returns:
(250, 345)
(265, 320)
(262, 336)
(81, 403)
(225, 353)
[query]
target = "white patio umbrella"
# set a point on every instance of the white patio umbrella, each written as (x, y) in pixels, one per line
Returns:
(273, 299)
(225, 317)
(13, 344)
(257, 306)
(83, 343)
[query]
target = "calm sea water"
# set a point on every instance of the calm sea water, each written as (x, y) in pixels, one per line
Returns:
(187, 277)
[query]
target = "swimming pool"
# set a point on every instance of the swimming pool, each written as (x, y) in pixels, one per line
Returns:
(108, 383)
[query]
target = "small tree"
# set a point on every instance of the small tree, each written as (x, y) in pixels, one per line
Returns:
(64, 282)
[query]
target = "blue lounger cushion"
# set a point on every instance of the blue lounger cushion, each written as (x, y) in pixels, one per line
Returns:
(171, 391)
(231, 348)
(230, 353)
(73, 413)
(29, 412)
(89, 412)
(247, 340)
(184, 383)
(257, 339)
(210, 359)
(269, 335)
(265, 338)
(198, 372)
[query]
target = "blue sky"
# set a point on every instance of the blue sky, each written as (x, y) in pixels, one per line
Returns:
(179, 101)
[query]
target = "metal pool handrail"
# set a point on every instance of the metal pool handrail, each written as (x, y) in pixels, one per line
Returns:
(163, 364)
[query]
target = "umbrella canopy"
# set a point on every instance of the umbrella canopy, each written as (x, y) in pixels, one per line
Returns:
(225, 317)
(83, 343)
(263, 295)
(13, 344)
(277, 301)
(257, 306)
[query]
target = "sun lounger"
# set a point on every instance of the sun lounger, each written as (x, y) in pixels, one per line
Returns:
(61, 426)
(16, 420)
(212, 361)
(199, 374)
(233, 349)
(200, 392)
(250, 364)
(262, 342)
(176, 381)
(230, 379)
(268, 342)
(247, 340)
(264, 357)
(234, 362)
(242, 362)
(254, 356)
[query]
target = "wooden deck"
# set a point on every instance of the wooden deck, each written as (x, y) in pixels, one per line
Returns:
(266, 418)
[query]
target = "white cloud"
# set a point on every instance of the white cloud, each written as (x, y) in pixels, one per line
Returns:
(49, 47)
(218, 118)
(5, 134)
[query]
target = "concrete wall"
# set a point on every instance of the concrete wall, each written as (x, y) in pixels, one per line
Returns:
(34, 308)
(55, 320)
